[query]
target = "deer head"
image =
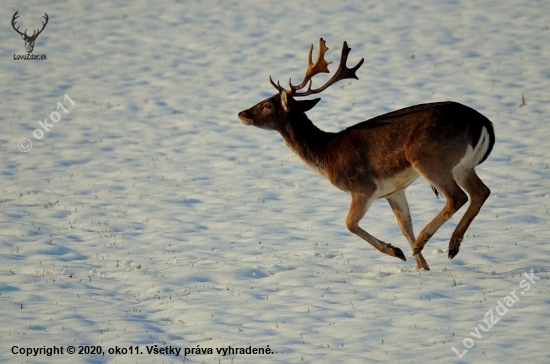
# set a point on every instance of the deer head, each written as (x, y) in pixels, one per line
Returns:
(29, 40)
(273, 113)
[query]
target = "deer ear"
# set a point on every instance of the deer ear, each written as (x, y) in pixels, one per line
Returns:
(306, 105)
(286, 103)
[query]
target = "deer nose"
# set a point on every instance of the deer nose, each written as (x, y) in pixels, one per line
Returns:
(245, 117)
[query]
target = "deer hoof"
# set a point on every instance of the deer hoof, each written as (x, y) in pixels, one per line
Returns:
(398, 253)
(424, 267)
(453, 252)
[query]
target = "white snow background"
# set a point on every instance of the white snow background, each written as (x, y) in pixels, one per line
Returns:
(149, 215)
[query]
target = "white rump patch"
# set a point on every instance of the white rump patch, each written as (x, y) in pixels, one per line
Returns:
(473, 156)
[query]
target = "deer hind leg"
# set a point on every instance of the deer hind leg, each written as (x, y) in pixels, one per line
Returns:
(456, 198)
(359, 206)
(400, 207)
(467, 179)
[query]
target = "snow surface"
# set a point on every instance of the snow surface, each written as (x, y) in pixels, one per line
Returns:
(149, 215)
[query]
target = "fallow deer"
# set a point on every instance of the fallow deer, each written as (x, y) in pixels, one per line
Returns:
(378, 158)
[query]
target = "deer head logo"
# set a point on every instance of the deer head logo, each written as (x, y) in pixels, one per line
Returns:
(29, 40)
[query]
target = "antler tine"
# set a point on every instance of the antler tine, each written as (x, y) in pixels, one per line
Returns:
(277, 86)
(320, 66)
(343, 72)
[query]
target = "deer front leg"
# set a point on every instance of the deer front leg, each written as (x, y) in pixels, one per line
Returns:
(359, 206)
(400, 207)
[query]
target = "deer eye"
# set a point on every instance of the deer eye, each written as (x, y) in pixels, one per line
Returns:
(268, 106)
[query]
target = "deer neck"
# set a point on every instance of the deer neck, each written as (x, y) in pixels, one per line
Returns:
(308, 141)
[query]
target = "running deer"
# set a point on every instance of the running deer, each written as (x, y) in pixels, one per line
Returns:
(378, 158)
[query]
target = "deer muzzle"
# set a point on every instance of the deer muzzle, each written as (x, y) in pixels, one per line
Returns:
(245, 117)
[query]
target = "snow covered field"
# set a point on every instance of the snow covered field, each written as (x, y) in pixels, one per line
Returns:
(149, 215)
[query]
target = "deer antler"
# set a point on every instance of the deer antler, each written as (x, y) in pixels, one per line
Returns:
(15, 16)
(34, 34)
(43, 25)
(321, 66)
